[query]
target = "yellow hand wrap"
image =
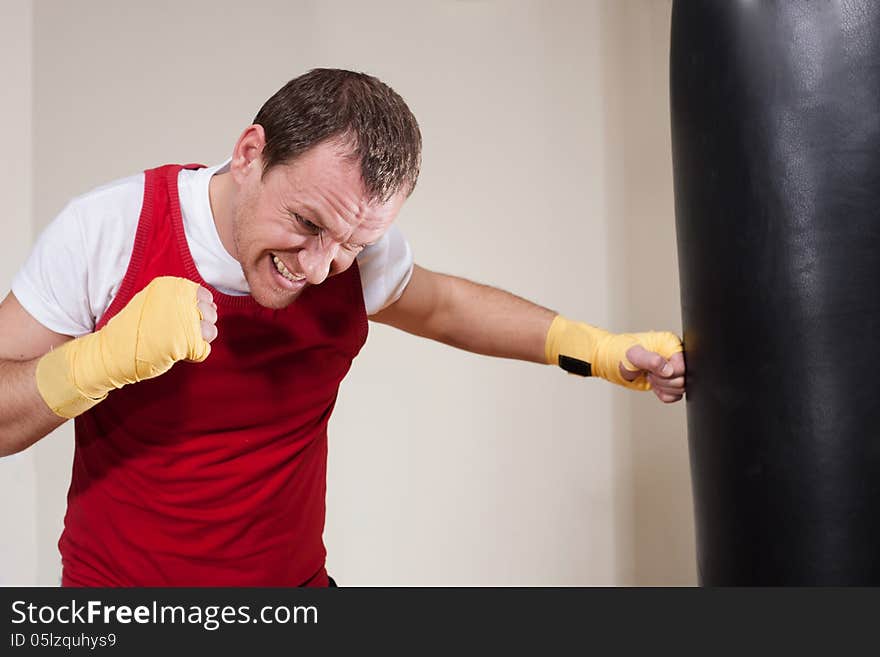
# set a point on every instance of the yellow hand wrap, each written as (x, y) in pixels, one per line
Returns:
(158, 327)
(589, 351)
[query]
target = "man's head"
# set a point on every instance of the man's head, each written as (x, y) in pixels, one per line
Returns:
(364, 113)
(321, 173)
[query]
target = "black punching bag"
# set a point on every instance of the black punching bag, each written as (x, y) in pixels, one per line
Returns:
(776, 151)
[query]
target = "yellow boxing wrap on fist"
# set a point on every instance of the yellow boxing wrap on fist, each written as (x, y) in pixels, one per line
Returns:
(586, 350)
(158, 327)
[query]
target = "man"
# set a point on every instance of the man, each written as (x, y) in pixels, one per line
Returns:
(197, 322)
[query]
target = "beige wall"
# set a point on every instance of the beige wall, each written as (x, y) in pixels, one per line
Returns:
(18, 474)
(546, 172)
(653, 477)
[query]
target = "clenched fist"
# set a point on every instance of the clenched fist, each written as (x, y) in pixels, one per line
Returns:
(170, 320)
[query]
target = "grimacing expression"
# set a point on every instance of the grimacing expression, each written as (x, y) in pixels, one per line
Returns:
(304, 221)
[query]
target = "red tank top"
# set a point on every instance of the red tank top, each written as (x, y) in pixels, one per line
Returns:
(213, 474)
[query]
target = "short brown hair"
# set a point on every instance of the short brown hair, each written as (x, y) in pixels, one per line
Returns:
(365, 113)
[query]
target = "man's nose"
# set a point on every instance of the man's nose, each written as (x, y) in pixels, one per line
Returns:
(315, 260)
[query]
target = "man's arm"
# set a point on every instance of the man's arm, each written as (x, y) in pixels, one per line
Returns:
(24, 416)
(470, 316)
(46, 378)
(489, 321)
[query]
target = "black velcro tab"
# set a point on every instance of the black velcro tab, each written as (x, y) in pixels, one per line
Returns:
(575, 366)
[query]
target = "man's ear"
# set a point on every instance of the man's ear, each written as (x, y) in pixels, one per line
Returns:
(247, 154)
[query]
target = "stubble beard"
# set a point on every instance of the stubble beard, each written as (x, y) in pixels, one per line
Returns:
(264, 293)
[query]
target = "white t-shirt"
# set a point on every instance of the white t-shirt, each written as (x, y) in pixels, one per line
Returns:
(78, 263)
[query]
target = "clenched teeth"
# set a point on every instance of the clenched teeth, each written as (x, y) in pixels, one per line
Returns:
(284, 271)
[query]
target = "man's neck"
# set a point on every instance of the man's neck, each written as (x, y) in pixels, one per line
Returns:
(220, 194)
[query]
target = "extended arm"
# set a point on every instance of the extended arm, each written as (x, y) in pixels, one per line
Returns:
(470, 316)
(490, 321)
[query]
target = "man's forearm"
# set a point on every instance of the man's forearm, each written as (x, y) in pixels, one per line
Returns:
(24, 416)
(489, 321)
(470, 316)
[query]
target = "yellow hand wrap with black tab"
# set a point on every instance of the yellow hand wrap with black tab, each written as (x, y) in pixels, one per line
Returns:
(585, 350)
(158, 327)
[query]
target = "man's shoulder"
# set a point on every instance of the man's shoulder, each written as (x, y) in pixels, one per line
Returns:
(118, 193)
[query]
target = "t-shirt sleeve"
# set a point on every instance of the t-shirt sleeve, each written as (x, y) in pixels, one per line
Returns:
(385, 269)
(52, 285)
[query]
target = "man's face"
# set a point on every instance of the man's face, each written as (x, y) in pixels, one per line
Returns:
(303, 222)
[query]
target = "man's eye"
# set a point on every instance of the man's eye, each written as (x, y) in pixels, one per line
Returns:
(305, 223)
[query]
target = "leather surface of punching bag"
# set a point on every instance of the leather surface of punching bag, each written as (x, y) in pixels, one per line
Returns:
(776, 151)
